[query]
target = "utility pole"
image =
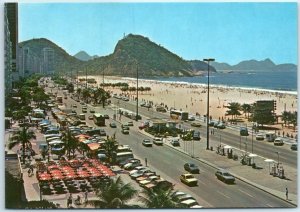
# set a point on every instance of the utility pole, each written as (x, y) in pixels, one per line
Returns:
(85, 78)
(137, 91)
(207, 116)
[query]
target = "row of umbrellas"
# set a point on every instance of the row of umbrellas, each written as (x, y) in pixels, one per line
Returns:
(94, 169)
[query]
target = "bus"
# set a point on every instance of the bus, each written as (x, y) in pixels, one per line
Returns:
(122, 156)
(178, 114)
(271, 136)
(99, 119)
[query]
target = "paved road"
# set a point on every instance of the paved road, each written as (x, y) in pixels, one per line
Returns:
(169, 164)
(229, 137)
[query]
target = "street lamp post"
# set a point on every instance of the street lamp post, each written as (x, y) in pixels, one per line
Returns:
(207, 116)
(137, 92)
(246, 147)
(85, 78)
(252, 139)
(278, 157)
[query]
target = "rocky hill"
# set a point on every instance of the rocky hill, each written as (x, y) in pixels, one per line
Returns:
(153, 60)
(255, 65)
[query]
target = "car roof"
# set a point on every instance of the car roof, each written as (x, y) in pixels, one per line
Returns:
(187, 174)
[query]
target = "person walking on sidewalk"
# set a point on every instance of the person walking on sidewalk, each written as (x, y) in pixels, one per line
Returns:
(85, 196)
(286, 193)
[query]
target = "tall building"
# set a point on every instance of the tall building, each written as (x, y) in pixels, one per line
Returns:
(11, 43)
(48, 60)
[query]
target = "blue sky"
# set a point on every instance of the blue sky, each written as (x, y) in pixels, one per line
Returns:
(228, 32)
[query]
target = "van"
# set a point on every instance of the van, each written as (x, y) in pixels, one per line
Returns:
(270, 136)
(196, 135)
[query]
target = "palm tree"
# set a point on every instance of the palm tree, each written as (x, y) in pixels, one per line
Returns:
(246, 109)
(110, 146)
(285, 117)
(114, 194)
(234, 109)
(158, 198)
(22, 136)
(70, 143)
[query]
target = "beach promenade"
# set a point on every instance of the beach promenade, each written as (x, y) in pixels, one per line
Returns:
(258, 177)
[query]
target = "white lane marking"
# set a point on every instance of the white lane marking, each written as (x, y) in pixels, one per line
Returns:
(245, 193)
(269, 205)
(223, 194)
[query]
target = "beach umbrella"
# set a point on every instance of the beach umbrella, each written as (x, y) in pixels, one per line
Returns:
(269, 161)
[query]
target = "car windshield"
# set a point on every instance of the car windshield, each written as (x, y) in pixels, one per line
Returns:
(226, 174)
(189, 177)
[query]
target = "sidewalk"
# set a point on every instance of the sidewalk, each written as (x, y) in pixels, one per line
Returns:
(259, 177)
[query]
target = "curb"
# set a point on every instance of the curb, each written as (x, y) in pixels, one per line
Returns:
(235, 175)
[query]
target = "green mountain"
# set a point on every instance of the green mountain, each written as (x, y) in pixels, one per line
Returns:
(63, 62)
(153, 60)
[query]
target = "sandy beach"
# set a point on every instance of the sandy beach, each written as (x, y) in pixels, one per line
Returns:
(193, 97)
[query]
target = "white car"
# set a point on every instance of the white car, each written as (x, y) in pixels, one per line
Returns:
(158, 141)
(136, 169)
(260, 137)
(132, 165)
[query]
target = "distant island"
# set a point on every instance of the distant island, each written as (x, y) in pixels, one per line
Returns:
(136, 51)
(82, 55)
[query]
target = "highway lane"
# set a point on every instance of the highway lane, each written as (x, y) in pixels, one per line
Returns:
(228, 136)
(169, 163)
(210, 192)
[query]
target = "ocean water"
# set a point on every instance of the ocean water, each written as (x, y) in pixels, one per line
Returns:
(268, 80)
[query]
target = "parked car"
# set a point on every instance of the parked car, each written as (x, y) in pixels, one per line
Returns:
(192, 168)
(195, 124)
(221, 125)
(102, 132)
(124, 131)
(140, 173)
(175, 142)
(122, 163)
(92, 111)
(147, 142)
(130, 123)
(224, 176)
(158, 141)
(106, 116)
(113, 125)
(91, 117)
(132, 165)
(190, 203)
(191, 118)
(139, 168)
(278, 142)
(260, 137)
(188, 179)
(294, 147)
